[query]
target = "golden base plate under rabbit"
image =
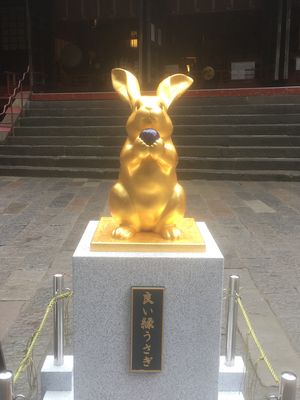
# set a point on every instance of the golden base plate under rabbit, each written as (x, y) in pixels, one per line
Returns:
(192, 241)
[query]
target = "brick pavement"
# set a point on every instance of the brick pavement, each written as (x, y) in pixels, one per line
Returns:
(256, 224)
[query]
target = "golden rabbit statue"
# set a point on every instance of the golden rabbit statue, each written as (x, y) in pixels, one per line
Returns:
(147, 196)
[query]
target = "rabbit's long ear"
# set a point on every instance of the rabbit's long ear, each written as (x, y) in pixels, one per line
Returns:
(172, 87)
(126, 84)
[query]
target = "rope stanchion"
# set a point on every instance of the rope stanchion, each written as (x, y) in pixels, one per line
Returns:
(232, 308)
(58, 321)
(27, 359)
(252, 333)
(288, 386)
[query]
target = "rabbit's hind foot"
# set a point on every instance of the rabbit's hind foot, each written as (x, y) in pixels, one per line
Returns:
(123, 232)
(171, 232)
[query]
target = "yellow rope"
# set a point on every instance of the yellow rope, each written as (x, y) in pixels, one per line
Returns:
(28, 354)
(263, 355)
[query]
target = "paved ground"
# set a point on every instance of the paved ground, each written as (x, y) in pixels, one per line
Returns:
(257, 226)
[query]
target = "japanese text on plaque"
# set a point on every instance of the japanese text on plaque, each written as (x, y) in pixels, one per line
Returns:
(147, 321)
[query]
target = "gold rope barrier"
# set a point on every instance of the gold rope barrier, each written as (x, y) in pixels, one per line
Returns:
(27, 359)
(263, 355)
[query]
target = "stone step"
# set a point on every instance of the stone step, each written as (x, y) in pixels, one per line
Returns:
(109, 173)
(240, 163)
(255, 119)
(182, 150)
(186, 100)
(97, 173)
(119, 130)
(186, 110)
(88, 104)
(80, 131)
(227, 99)
(236, 163)
(237, 100)
(241, 175)
(73, 112)
(65, 140)
(192, 140)
(252, 138)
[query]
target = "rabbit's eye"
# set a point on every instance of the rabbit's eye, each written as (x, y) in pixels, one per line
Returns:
(138, 105)
(161, 105)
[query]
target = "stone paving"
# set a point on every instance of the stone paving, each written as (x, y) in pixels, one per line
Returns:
(256, 224)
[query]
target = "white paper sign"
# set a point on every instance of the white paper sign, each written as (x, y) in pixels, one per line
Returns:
(243, 70)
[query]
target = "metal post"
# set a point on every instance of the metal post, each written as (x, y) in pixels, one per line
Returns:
(58, 316)
(288, 386)
(6, 384)
(232, 307)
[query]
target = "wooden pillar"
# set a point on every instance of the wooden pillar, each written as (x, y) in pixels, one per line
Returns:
(141, 39)
(145, 42)
(278, 39)
(283, 34)
(148, 42)
(29, 44)
(287, 39)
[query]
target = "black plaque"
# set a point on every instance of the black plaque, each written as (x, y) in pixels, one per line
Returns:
(146, 329)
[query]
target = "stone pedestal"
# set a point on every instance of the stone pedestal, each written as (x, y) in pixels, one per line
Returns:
(192, 313)
(57, 378)
(232, 378)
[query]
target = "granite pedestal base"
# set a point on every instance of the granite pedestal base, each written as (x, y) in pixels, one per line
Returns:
(192, 313)
(57, 378)
(232, 378)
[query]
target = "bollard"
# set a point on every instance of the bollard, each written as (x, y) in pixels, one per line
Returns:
(6, 383)
(288, 386)
(58, 316)
(6, 387)
(232, 307)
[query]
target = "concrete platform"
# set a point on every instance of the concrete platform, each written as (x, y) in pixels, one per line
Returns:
(193, 285)
(58, 378)
(42, 220)
(70, 396)
(232, 378)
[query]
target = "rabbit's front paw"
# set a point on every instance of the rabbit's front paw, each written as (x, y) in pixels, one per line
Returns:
(141, 147)
(123, 232)
(171, 232)
(157, 148)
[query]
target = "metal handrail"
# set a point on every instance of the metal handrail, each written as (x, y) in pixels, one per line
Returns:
(12, 97)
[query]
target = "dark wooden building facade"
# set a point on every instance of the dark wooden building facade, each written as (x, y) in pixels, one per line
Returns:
(73, 44)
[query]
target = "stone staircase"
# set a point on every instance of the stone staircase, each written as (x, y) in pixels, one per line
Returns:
(256, 137)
